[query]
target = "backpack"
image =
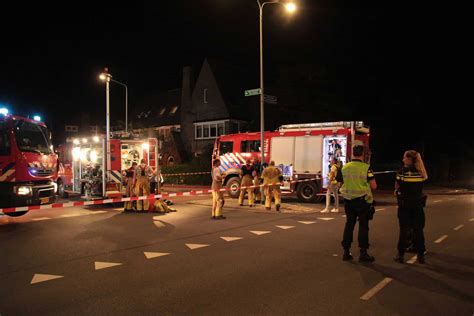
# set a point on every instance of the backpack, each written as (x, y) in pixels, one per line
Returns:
(339, 177)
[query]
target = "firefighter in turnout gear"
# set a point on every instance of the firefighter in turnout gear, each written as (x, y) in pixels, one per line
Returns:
(272, 179)
(411, 201)
(359, 181)
(142, 184)
(128, 206)
(247, 174)
(217, 195)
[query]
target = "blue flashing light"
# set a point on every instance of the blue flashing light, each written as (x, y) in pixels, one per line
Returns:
(4, 111)
(37, 118)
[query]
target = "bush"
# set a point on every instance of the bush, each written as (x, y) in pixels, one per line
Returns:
(201, 163)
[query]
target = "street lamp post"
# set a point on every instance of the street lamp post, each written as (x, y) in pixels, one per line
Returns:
(290, 7)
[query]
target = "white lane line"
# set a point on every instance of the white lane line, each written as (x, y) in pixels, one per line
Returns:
(379, 209)
(97, 212)
(70, 215)
(440, 239)
(231, 238)
(458, 227)
(285, 227)
(375, 289)
(151, 255)
(437, 201)
(105, 265)
(40, 219)
(307, 222)
(260, 232)
(471, 220)
(196, 246)
(38, 278)
(412, 260)
(325, 218)
(450, 199)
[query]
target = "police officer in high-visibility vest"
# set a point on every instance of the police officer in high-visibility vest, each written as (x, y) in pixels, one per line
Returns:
(410, 198)
(272, 179)
(247, 173)
(359, 181)
(217, 195)
(142, 184)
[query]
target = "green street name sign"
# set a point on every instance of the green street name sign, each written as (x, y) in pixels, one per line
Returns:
(249, 93)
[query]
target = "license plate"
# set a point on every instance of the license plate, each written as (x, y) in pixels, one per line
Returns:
(44, 200)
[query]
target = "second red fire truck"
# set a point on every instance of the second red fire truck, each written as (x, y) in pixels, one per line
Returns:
(302, 151)
(28, 164)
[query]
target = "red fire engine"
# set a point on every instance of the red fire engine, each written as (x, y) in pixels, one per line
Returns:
(301, 151)
(82, 163)
(28, 164)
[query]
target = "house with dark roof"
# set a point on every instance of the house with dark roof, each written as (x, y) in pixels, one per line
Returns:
(189, 119)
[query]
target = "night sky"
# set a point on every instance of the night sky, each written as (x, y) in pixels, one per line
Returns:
(387, 58)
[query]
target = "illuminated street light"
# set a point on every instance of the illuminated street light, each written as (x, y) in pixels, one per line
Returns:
(95, 139)
(37, 118)
(4, 111)
(290, 7)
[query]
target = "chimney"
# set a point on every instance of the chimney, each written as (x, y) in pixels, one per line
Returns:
(187, 113)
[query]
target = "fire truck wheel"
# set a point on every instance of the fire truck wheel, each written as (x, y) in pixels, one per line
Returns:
(233, 185)
(308, 192)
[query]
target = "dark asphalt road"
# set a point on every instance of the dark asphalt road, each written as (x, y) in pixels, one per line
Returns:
(291, 270)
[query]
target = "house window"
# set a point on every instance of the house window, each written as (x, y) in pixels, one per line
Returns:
(199, 131)
(213, 130)
(72, 128)
(174, 109)
(209, 130)
(220, 129)
(205, 96)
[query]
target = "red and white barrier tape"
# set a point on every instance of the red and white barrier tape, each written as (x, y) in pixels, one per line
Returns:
(185, 174)
(126, 199)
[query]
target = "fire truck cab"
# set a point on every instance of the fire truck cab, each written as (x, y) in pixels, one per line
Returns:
(301, 151)
(83, 163)
(28, 164)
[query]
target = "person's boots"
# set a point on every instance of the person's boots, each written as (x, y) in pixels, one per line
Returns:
(365, 257)
(399, 258)
(277, 207)
(347, 256)
(420, 258)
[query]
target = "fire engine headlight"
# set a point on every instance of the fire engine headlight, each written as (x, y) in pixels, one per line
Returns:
(296, 177)
(55, 185)
(23, 190)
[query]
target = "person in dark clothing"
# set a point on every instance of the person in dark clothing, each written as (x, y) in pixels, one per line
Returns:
(359, 181)
(411, 201)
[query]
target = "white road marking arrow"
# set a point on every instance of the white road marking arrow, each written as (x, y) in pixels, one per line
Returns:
(285, 227)
(151, 255)
(105, 265)
(196, 246)
(259, 232)
(38, 278)
(231, 238)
